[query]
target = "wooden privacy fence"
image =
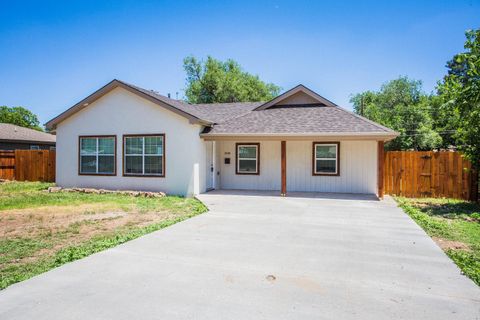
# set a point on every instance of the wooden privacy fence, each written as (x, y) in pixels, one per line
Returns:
(27, 165)
(429, 174)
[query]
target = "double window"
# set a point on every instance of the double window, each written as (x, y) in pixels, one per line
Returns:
(97, 155)
(144, 155)
(248, 158)
(326, 158)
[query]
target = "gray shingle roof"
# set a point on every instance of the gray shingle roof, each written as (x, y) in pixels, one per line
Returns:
(299, 119)
(12, 132)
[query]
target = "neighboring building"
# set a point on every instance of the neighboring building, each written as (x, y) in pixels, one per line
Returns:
(126, 137)
(14, 137)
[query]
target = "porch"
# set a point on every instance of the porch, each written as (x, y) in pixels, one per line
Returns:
(293, 194)
(295, 166)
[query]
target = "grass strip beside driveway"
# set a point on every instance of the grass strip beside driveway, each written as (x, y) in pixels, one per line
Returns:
(40, 230)
(455, 227)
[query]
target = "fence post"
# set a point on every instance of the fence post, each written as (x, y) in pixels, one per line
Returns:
(381, 166)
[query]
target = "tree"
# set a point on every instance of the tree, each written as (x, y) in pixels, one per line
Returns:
(401, 105)
(444, 121)
(19, 116)
(460, 89)
(216, 81)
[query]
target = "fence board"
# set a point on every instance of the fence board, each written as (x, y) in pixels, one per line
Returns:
(428, 174)
(7, 164)
(27, 165)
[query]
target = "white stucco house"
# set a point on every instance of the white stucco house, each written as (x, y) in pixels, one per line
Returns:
(126, 137)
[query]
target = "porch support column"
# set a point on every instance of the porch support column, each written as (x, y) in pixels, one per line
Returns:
(380, 161)
(283, 191)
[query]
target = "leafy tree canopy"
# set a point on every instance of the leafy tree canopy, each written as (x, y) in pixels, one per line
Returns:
(216, 81)
(19, 116)
(460, 90)
(401, 105)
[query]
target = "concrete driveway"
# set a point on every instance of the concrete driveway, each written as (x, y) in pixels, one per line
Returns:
(261, 257)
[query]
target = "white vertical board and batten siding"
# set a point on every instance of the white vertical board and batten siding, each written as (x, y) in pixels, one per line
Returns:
(269, 177)
(358, 168)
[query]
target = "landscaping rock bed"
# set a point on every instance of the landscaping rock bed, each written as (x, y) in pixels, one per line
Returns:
(146, 194)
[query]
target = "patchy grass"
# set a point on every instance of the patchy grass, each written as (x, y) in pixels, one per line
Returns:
(454, 225)
(40, 230)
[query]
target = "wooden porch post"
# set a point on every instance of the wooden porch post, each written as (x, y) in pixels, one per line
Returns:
(283, 192)
(381, 160)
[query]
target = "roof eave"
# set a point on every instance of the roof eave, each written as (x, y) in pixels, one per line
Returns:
(27, 141)
(383, 136)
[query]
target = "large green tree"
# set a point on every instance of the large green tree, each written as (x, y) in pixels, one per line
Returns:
(401, 105)
(460, 90)
(217, 81)
(19, 116)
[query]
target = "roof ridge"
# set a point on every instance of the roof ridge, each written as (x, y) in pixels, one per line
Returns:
(211, 103)
(151, 91)
(22, 127)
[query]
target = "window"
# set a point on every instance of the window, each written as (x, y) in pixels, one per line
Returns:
(326, 158)
(34, 147)
(144, 155)
(97, 155)
(248, 155)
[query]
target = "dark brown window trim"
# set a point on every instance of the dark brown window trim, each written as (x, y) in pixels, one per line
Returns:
(136, 175)
(258, 157)
(338, 159)
(114, 155)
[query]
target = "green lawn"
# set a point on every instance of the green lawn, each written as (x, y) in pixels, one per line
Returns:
(40, 230)
(454, 225)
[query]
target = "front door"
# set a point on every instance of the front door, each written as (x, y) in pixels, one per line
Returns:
(209, 165)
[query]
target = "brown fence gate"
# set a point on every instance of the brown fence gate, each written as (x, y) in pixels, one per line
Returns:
(429, 174)
(28, 165)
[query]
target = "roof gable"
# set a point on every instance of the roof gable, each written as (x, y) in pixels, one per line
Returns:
(295, 96)
(167, 103)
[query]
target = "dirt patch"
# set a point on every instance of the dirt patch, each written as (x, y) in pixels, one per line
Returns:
(33, 221)
(451, 245)
(63, 226)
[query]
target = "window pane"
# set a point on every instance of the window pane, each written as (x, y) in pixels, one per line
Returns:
(134, 145)
(106, 145)
(106, 164)
(154, 145)
(88, 145)
(247, 166)
(326, 166)
(88, 164)
(153, 164)
(326, 151)
(247, 152)
(133, 164)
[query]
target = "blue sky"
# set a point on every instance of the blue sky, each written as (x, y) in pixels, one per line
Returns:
(54, 53)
